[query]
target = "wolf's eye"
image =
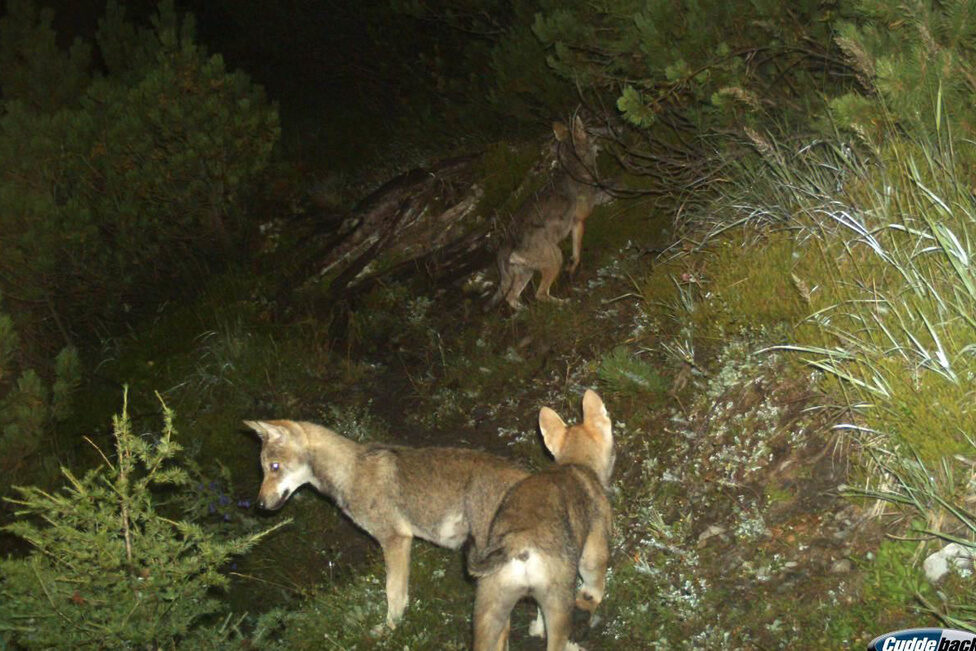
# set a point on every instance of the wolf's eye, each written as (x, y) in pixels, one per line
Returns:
(274, 466)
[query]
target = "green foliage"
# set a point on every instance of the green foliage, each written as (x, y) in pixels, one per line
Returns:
(524, 85)
(108, 567)
(898, 323)
(714, 63)
(126, 48)
(916, 63)
(352, 616)
(67, 372)
(504, 170)
(937, 502)
(521, 83)
(357, 423)
(893, 575)
(623, 371)
(632, 104)
(691, 57)
(890, 592)
(33, 70)
(882, 256)
(29, 406)
(139, 183)
(749, 290)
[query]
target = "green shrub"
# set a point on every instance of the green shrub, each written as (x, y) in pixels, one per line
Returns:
(936, 500)
(108, 568)
(915, 61)
(884, 262)
(104, 202)
(29, 406)
(33, 69)
(623, 371)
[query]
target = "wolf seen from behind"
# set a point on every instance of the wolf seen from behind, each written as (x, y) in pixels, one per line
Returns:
(543, 221)
(549, 526)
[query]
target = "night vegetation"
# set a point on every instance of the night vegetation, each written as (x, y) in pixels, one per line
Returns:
(777, 306)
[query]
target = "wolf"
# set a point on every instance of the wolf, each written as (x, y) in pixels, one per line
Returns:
(546, 219)
(548, 527)
(443, 495)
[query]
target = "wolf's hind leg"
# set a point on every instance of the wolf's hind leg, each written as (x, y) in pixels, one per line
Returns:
(552, 262)
(557, 606)
(549, 275)
(520, 278)
(493, 603)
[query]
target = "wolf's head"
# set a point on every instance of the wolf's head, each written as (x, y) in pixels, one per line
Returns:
(589, 443)
(285, 460)
(576, 152)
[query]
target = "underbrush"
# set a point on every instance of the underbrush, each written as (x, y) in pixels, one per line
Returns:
(352, 615)
(880, 259)
(129, 553)
(733, 486)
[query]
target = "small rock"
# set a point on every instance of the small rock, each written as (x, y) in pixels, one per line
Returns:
(841, 566)
(937, 565)
(712, 531)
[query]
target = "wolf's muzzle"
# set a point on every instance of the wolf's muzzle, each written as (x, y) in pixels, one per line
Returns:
(277, 504)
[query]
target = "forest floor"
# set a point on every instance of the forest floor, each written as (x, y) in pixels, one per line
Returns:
(730, 523)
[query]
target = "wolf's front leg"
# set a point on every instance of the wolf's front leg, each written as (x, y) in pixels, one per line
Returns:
(396, 553)
(574, 261)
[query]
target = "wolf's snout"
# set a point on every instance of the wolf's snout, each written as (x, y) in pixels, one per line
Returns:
(274, 503)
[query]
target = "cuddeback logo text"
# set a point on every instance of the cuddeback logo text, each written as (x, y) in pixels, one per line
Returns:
(925, 639)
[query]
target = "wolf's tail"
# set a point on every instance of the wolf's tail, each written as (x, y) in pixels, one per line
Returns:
(482, 562)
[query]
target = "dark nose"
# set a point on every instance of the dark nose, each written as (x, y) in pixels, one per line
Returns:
(276, 503)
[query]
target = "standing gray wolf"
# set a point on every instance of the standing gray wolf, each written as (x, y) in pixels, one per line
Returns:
(394, 493)
(542, 222)
(548, 526)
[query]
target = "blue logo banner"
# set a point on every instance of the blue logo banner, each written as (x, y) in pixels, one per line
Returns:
(925, 639)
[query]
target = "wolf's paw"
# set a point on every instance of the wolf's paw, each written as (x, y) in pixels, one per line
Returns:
(586, 601)
(389, 625)
(538, 627)
(572, 646)
(515, 304)
(546, 298)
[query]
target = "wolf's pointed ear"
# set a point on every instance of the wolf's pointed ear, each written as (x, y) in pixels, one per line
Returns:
(560, 130)
(266, 431)
(579, 131)
(595, 413)
(553, 430)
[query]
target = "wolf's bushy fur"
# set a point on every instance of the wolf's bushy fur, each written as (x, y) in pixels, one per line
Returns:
(548, 217)
(394, 493)
(549, 526)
